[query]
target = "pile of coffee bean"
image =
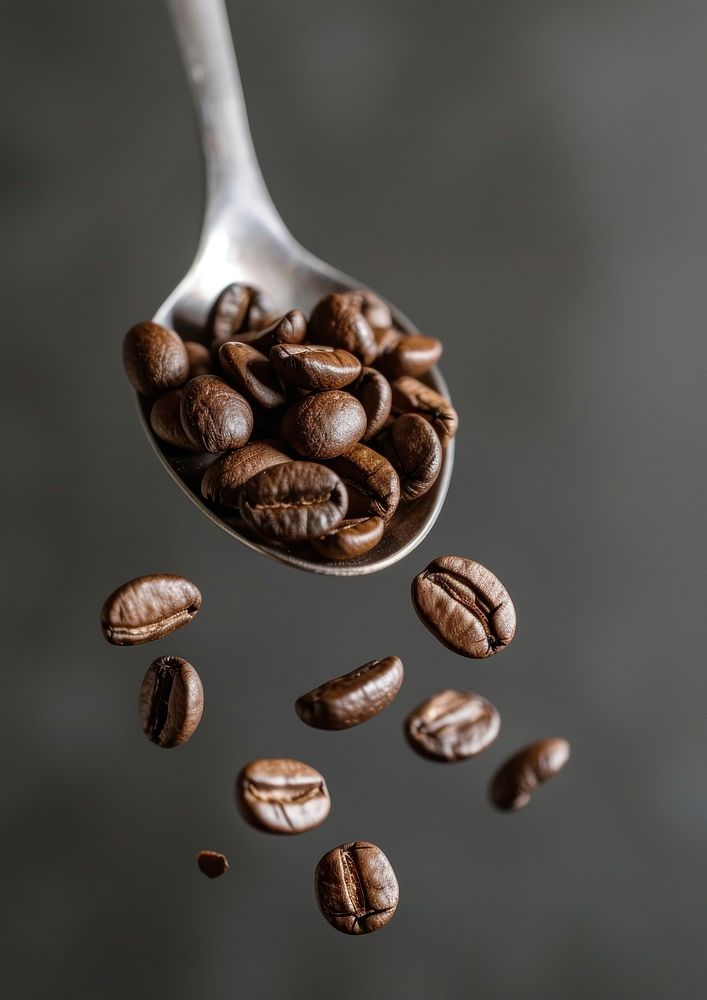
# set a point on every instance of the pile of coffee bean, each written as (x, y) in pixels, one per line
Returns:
(311, 431)
(462, 603)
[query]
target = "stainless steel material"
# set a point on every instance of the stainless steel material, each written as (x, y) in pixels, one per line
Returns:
(244, 239)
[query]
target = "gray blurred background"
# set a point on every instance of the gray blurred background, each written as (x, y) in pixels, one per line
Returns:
(528, 182)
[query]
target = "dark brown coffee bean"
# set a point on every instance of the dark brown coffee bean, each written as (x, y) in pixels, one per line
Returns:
(279, 795)
(229, 311)
(353, 698)
(372, 482)
(199, 358)
(166, 422)
(155, 358)
(464, 606)
(148, 608)
(294, 502)
(386, 340)
(223, 481)
(261, 311)
(324, 424)
(337, 321)
(373, 392)
(251, 373)
(171, 701)
(212, 863)
(517, 779)
(316, 368)
(452, 725)
(215, 417)
(411, 396)
(413, 449)
(356, 888)
(288, 329)
(351, 538)
(375, 311)
(413, 355)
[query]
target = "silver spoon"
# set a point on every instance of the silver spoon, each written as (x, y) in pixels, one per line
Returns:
(244, 239)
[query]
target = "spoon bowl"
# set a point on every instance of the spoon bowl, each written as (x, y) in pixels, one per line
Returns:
(244, 239)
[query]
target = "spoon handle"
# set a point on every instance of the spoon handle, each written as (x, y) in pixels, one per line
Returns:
(233, 177)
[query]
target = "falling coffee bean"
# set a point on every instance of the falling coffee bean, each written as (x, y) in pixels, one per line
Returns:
(171, 701)
(518, 778)
(356, 888)
(155, 358)
(452, 726)
(464, 606)
(351, 538)
(147, 608)
(294, 502)
(279, 795)
(215, 417)
(212, 863)
(353, 698)
(224, 479)
(414, 450)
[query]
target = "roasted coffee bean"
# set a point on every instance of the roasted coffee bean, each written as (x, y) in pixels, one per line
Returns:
(351, 538)
(215, 417)
(224, 479)
(316, 368)
(294, 502)
(411, 396)
(413, 355)
(337, 320)
(353, 698)
(375, 311)
(261, 311)
(148, 608)
(166, 422)
(251, 373)
(356, 888)
(452, 725)
(386, 340)
(229, 311)
(373, 392)
(464, 606)
(324, 424)
(171, 701)
(413, 449)
(288, 329)
(279, 795)
(212, 863)
(517, 779)
(372, 482)
(199, 358)
(155, 358)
